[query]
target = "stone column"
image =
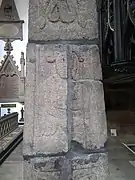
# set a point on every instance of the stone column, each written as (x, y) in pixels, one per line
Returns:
(65, 123)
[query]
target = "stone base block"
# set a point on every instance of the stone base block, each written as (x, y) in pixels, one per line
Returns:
(90, 167)
(70, 167)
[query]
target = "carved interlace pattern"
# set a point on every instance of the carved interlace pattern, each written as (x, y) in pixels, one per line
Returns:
(65, 11)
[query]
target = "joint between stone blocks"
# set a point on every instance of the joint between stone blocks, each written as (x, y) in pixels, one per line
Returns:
(94, 41)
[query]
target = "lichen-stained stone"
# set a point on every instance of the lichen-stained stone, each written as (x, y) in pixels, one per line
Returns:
(49, 113)
(88, 111)
(40, 170)
(65, 20)
(85, 62)
(48, 168)
(93, 167)
(78, 167)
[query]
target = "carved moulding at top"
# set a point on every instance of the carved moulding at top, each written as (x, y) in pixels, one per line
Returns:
(65, 11)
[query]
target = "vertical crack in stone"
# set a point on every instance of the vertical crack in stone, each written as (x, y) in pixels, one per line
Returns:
(69, 97)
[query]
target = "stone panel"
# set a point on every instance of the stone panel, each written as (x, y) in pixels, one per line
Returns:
(67, 102)
(93, 167)
(89, 119)
(37, 170)
(50, 88)
(85, 62)
(50, 111)
(67, 20)
(47, 168)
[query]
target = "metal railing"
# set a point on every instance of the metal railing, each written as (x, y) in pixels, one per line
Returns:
(8, 124)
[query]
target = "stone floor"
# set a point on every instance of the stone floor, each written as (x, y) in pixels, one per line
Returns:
(12, 168)
(120, 167)
(120, 159)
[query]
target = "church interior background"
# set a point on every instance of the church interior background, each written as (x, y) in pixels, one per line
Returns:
(13, 64)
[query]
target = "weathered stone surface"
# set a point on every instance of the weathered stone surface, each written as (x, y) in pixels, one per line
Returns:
(49, 87)
(50, 67)
(67, 99)
(93, 167)
(88, 96)
(89, 119)
(29, 100)
(55, 73)
(27, 170)
(54, 20)
(49, 168)
(82, 167)
(39, 171)
(85, 62)
(88, 110)
(50, 100)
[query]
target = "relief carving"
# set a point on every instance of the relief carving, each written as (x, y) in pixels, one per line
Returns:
(77, 61)
(80, 100)
(52, 61)
(51, 74)
(51, 127)
(61, 65)
(62, 11)
(65, 11)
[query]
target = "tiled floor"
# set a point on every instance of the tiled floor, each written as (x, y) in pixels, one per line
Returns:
(120, 167)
